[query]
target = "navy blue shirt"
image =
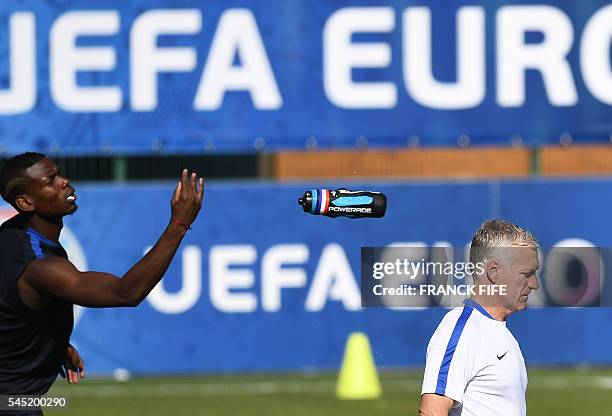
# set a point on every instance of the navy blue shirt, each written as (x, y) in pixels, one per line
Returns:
(32, 343)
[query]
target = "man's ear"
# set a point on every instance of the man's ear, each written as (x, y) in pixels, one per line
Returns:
(492, 270)
(24, 203)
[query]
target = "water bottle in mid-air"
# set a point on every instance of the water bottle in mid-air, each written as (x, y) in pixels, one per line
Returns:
(342, 202)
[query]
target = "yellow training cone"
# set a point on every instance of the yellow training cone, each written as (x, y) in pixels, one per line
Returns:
(358, 378)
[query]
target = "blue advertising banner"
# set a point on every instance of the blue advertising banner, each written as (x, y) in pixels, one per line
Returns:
(260, 285)
(186, 76)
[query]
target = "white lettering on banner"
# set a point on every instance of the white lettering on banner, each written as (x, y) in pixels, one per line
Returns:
(341, 56)
(514, 57)
(189, 294)
(237, 35)
(67, 59)
(333, 280)
(147, 60)
(20, 97)
(590, 286)
(223, 279)
(595, 55)
(549, 57)
(274, 277)
(469, 90)
(232, 280)
(419, 250)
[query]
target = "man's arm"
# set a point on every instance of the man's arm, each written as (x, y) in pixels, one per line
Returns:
(58, 277)
(446, 376)
(435, 405)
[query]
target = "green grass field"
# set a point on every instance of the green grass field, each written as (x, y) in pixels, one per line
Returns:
(555, 392)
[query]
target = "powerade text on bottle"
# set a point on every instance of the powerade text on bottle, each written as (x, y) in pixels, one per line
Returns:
(342, 202)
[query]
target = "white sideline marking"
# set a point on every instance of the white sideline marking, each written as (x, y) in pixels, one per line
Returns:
(215, 389)
(289, 387)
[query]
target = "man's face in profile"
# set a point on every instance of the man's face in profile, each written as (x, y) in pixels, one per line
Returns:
(49, 191)
(517, 272)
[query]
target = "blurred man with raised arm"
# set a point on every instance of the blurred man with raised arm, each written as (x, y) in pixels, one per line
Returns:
(38, 285)
(474, 364)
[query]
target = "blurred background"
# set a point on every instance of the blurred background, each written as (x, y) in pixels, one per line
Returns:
(458, 111)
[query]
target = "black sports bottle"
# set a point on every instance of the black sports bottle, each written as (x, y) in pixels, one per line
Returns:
(342, 202)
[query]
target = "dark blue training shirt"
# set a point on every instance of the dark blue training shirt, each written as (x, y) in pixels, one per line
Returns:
(32, 343)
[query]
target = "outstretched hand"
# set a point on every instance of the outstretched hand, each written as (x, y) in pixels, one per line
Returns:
(187, 198)
(73, 367)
